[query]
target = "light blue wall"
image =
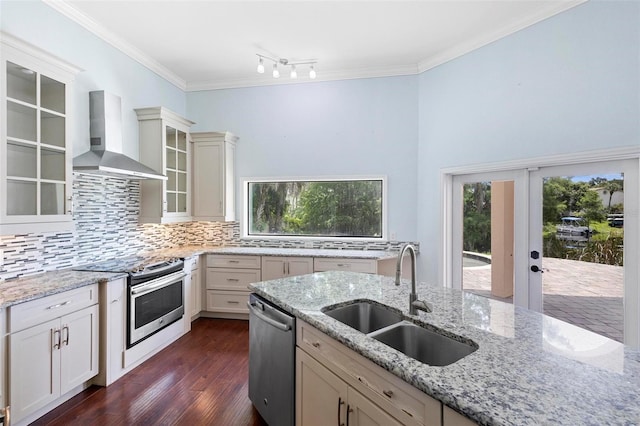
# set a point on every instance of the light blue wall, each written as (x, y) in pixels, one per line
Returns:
(104, 68)
(568, 84)
(353, 127)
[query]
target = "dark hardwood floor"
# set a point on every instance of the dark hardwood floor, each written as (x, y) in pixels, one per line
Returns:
(201, 379)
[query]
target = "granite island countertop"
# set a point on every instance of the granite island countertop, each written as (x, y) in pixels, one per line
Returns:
(529, 369)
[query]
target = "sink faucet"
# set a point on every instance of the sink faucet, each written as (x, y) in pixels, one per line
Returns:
(414, 303)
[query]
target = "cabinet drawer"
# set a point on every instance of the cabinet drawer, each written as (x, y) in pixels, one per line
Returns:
(228, 261)
(390, 392)
(227, 301)
(321, 264)
(231, 279)
(42, 310)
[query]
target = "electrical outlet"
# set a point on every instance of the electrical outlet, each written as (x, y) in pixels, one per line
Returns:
(308, 244)
(393, 236)
(230, 234)
(1, 257)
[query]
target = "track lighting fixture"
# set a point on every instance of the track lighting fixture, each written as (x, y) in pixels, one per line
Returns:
(286, 62)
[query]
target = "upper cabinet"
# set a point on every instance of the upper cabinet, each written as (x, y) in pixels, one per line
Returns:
(164, 146)
(214, 176)
(35, 151)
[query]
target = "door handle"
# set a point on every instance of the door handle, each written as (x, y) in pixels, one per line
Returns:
(534, 268)
(340, 404)
(263, 317)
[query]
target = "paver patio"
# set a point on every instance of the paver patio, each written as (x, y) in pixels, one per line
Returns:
(588, 295)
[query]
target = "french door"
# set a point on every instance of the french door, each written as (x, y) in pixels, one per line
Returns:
(589, 277)
(585, 271)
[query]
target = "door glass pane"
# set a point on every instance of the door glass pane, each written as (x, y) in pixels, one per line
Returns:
(182, 203)
(182, 161)
(21, 83)
(171, 158)
(52, 163)
(182, 141)
(21, 197)
(182, 182)
(51, 94)
(171, 202)
(583, 230)
(21, 121)
(52, 198)
(488, 233)
(21, 160)
(52, 130)
(171, 137)
(171, 181)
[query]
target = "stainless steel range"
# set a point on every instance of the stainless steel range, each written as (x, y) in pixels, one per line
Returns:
(155, 292)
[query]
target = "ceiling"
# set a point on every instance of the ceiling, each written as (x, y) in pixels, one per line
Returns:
(201, 45)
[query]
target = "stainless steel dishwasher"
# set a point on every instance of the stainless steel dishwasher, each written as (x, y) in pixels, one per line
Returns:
(272, 344)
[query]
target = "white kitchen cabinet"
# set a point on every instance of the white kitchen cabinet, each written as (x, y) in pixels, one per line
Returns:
(113, 308)
(35, 150)
(398, 401)
(453, 418)
(214, 176)
(196, 288)
(4, 411)
(227, 284)
(322, 398)
(274, 267)
(56, 355)
(163, 139)
(368, 266)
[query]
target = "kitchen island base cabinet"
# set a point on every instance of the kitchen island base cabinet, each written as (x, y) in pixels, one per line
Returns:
(322, 398)
(393, 396)
(54, 359)
(453, 418)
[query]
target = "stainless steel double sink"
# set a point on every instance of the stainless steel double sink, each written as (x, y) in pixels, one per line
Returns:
(387, 325)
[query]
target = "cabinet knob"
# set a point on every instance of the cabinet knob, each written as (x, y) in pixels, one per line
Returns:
(316, 344)
(388, 393)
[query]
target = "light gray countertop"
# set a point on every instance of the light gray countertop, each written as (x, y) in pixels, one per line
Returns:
(188, 251)
(530, 369)
(34, 287)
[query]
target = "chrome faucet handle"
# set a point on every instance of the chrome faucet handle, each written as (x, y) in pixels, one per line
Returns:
(422, 305)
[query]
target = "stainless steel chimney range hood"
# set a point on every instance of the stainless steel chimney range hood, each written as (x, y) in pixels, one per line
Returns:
(105, 155)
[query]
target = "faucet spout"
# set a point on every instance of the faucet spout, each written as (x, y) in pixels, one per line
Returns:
(413, 297)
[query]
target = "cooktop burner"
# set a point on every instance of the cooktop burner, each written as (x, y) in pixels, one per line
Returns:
(131, 264)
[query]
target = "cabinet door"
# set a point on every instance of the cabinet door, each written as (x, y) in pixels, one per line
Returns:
(320, 395)
(363, 412)
(208, 168)
(34, 361)
(273, 267)
(196, 293)
(35, 169)
(78, 348)
(299, 266)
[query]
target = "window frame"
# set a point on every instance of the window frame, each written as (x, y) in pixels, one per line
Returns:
(244, 223)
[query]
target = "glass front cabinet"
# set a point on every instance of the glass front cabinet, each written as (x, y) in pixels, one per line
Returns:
(35, 152)
(164, 137)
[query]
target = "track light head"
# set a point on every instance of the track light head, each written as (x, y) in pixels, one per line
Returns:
(261, 66)
(312, 72)
(276, 73)
(294, 73)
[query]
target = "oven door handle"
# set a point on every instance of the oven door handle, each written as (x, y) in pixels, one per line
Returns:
(156, 284)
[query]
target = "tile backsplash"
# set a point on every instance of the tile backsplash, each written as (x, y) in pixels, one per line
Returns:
(105, 214)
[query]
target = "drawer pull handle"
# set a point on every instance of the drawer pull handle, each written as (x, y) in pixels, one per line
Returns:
(343, 265)
(59, 305)
(233, 302)
(234, 280)
(233, 261)
(55, 337)
(115, 300)
(316, 344)
(66, 339)
(388, 393)
(408, 413)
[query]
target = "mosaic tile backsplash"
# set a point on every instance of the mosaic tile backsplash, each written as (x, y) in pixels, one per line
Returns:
(105, 214)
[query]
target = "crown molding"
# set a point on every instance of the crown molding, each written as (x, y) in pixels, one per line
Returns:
(267, 80)
(26, 48)
(464, 48)
(66, 9)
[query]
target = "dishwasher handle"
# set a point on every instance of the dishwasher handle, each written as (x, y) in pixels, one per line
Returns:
(259, 314)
